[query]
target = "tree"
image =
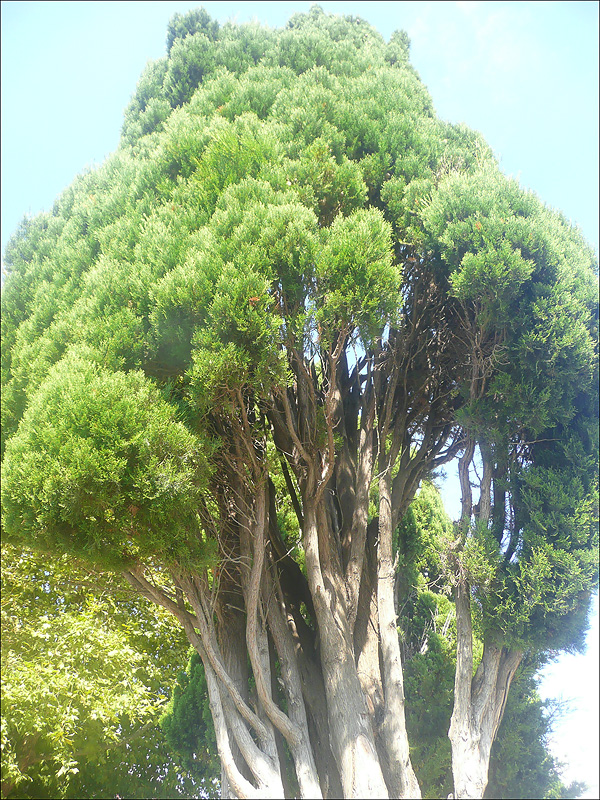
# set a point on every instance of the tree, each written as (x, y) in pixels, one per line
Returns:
(232, 354)
(521, 764)
(86, 669)
(520, 557)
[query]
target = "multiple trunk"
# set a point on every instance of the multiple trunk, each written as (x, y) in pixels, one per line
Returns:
(321, 643)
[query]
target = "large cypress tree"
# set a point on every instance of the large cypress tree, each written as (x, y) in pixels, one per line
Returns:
(232, 354)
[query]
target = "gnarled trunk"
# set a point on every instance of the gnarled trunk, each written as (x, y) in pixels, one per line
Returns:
(329, 626)
(480, 699)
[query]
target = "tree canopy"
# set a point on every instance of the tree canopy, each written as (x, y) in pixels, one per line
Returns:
(233, 353)
(86, 670)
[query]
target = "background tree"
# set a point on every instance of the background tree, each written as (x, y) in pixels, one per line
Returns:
(232, 354)
(86, 670)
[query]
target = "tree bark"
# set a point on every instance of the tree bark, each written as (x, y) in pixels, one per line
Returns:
(401, 778)
(479, 702)
(351, 735)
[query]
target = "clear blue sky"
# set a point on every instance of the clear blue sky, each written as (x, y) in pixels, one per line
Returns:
(525, 74)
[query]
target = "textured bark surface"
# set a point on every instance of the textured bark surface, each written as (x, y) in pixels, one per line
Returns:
(479, 703)
(401, 776)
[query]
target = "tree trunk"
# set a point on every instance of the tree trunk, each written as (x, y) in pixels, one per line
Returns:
(328, 626)
(401, 777)
(350, 733)
(479, 702)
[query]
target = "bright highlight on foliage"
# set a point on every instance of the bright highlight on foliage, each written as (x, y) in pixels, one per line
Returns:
(234, 357)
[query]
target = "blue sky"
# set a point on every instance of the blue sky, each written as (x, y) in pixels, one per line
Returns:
(525, 74)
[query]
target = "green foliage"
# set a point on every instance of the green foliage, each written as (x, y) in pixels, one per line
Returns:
(147, 108)
(358, 280)
(481, 562)
(197, 20)
(86, 671)
(479, 223)
(187, 723)
(101, 469)
(424, 534)
(429, 685)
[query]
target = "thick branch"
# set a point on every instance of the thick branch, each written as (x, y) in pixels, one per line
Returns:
(209, 642)
(460, 723)
(401, 776)
(361, 512)
(300, 742)
(276, 716)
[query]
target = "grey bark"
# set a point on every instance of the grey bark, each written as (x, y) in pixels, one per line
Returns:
(479, 703)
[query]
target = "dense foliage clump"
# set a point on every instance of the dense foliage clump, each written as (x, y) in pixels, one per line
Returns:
(86, 670)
